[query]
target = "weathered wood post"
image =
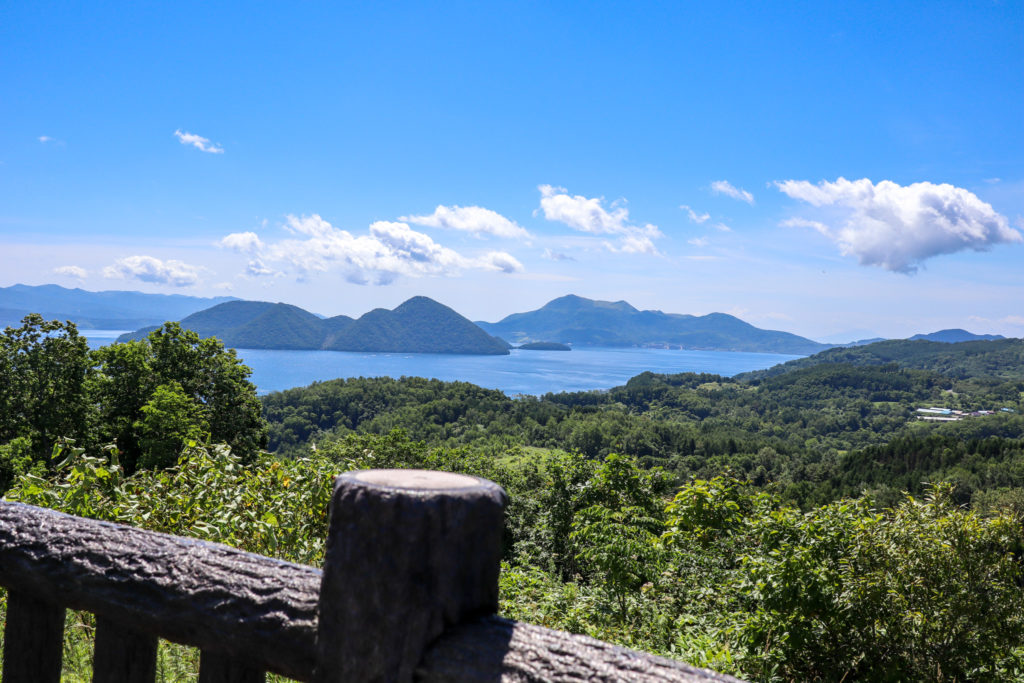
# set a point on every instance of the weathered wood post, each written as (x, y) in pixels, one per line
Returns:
(409, 553)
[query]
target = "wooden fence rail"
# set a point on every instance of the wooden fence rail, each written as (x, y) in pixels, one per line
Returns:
(408, 592)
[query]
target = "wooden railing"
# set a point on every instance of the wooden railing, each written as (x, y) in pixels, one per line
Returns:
(408, 592)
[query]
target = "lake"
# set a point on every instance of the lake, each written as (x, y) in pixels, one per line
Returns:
(521, 372)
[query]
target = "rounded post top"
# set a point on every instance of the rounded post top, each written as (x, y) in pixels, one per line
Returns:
(415, 480)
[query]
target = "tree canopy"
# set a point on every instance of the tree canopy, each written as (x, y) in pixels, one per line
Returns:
(148, 398)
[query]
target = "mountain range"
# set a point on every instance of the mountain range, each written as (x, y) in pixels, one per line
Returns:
(420, 325)
(585, 322)
(111, 310)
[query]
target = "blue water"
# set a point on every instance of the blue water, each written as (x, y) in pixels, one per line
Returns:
(521, 372)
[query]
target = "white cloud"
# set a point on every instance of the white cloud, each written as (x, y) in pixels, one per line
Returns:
(199, 142)
(589, 215)
(698, 241)
(804, 223)
(473, 219)
(72, 271)
(1014, 319)
(500, 261)
(729, 190)
(633, 244)
(256, 268)
(556, 256)
(311, 226)
(242, 242)
(694, 216)
(44, 139)
(150, 269)
(390, 250)
(722, 227)
(899, 227)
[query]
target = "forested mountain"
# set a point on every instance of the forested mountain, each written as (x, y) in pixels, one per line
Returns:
(584, 322)
(112, 310)
(1000, 359)
(420, 325)
(808, 433)
(760, 527)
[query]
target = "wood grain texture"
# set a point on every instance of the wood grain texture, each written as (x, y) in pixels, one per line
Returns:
(409, 553)
(122, 654)
(33, 639)
(493, 649)
(245, 606)
(261, 613)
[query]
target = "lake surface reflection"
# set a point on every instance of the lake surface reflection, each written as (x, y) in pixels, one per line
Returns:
(521, 372)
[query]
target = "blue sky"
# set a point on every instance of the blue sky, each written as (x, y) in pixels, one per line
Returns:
(832, 169)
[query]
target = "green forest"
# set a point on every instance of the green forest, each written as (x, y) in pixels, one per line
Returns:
(799, 523)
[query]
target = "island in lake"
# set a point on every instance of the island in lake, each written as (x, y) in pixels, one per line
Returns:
(579, 321)
(544, 346)
(420, 325)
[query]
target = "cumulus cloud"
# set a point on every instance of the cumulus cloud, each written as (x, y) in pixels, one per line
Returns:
(256, 268)
(633, 244)
(72, 271)
(556, 256)
(589, 215)
(198, 141)
(899, 227)
(44, 139)
(472, 219)
(722, 227)
(150, 269)
(242, 242)
(500, 261)
(694, 216)
(730, 190)
(391, 249)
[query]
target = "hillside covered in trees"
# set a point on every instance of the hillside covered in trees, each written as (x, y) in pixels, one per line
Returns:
(756, 525)
(810, 431)
(420, 325)
(585, 322)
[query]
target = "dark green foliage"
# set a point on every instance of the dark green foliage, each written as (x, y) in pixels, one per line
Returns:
(544, 346)
(252, 325)
(1002, 359)
(223, 400)
(170, 420)
(419, 325)
(753, 551)
(149, 397)
(44, 374)
(720, 574)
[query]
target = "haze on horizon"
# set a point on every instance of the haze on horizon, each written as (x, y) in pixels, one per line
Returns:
(826, 170)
